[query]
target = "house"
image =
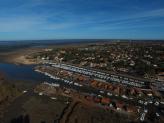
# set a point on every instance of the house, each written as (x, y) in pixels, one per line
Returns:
(119, 105)
(131, 109)
(97, 100)
(105, 101)
(161, 76)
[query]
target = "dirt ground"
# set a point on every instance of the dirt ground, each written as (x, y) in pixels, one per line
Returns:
(44, 109)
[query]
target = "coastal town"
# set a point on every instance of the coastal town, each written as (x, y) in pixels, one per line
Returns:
(100, 82)
(81, 61)
(95, 84)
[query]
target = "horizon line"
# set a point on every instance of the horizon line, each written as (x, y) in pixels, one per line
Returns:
(135, 39)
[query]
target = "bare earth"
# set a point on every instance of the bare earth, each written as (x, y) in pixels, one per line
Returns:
(19, 56)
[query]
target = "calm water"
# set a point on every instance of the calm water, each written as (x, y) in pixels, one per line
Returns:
(21, 72)
(27, 73)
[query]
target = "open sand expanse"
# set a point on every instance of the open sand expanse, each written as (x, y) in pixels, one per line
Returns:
(18, 56)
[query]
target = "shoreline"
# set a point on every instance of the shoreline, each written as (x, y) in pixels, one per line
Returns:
(18, 56)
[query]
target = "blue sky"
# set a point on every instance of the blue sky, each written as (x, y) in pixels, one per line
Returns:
(81, 19)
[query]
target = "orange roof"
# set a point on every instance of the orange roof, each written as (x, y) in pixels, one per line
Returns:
(97, 100)
(105, 100)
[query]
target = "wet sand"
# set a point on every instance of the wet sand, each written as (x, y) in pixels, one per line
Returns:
(19, 56)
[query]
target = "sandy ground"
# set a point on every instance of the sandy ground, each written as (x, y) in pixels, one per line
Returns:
(19, 56)
(22, 60)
